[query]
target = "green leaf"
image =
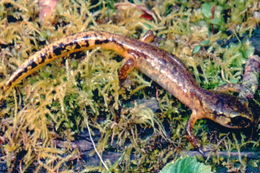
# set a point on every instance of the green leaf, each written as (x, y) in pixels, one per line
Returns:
(196, 49)
(186, 165)
(216, 21)
(206, 10)
(204, 43)
(148, 26)
(234, 80)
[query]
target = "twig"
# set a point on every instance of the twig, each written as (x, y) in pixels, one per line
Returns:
(93, 143)
(250, 155)
(250, 77)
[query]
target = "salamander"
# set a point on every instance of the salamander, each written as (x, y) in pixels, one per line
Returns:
(162, 67)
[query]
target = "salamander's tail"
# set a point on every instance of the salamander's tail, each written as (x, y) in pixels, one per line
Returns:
(74, 43)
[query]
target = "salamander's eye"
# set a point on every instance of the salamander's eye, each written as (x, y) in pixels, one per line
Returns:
(221, 115)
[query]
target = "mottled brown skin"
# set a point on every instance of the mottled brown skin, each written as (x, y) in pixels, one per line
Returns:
(161, 66)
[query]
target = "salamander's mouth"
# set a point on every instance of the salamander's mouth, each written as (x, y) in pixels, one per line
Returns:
(239, 122)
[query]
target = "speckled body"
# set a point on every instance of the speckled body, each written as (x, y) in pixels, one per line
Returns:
(161, 66)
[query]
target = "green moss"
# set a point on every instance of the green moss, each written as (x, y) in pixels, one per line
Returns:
(58, 100)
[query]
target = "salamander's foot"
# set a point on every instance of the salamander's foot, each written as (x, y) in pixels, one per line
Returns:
(193, 140)
(196, 145)
(148, 37)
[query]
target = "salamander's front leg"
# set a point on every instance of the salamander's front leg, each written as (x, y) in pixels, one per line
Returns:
(193, 140)
(193, 119)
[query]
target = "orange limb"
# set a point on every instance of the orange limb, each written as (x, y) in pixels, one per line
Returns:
(148, 37)
(127, 68)
(193, 119)
(130, 63)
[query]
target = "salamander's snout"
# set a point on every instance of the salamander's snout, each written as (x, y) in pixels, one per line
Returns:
(234, 120)
(240, 114)
(240, 122)
(231, 112)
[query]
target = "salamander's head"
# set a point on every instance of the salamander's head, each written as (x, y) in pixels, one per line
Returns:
(230, 111)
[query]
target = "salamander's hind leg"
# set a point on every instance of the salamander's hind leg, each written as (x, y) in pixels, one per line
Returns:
(127, 67)
(148, 37)
(130, 63)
